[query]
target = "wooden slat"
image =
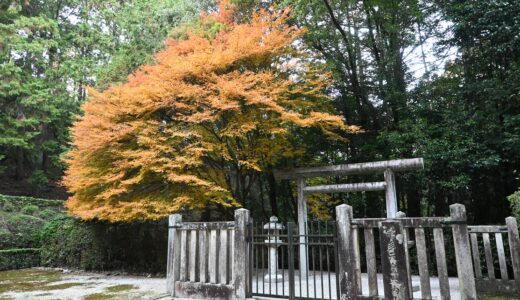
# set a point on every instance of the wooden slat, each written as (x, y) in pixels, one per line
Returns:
(231, 251)
(476, 255)
(371, 262)
(222, 257)
(501, 256)
(489, 256)
(357, 256)
(183, 261)
(212, 256)
(440, 258)
(203, 255)
(193, 256)
(422, 261)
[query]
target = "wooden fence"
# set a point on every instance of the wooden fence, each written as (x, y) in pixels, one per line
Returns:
(394, 254)
(208, 260)
(482, 238)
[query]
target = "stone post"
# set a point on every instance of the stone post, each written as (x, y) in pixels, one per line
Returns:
(393, 261)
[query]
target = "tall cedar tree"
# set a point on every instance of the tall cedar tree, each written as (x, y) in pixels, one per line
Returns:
(183, 132)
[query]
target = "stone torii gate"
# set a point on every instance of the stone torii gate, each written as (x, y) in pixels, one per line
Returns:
(387, 167)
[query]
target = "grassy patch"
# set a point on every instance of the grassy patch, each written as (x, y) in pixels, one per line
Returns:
(98, 296)
(120, 288)
(60, 286)
(27, 279)
(111, 292)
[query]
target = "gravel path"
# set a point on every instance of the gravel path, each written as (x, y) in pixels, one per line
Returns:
(46, 284)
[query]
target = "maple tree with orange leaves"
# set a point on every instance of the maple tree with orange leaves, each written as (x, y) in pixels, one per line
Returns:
(192, 129)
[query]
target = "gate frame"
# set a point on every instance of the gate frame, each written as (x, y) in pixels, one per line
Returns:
(234, 288)
(288, 241)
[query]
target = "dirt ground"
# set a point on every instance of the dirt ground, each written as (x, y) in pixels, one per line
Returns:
(46, 284)
(58, 284)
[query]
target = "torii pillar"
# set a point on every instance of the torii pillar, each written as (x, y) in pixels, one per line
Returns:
(302, 227)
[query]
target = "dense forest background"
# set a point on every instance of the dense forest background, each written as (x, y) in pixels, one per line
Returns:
(432, 79)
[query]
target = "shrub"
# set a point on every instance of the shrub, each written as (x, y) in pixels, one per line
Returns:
(8, 206)
(47, 214)
(136, 247)
(29, 209)
(19, 258)
(20, 201)
(68, 242)
(514, 201)
(21, 219)
(20, 231)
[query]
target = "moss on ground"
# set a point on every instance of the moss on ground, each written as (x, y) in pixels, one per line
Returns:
(98, 296)
(60, 286)
(111, 292)
(46, 282)
(27, 279)
(120, 288)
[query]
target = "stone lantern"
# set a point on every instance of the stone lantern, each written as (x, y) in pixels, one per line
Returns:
(273, 242)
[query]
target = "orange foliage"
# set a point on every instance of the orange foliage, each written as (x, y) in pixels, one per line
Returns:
(176, 134)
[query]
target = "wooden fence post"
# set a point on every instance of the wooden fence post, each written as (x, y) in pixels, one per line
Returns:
(174, 251)
(393, 260)
(240, 258)
(514, 246)
(463, 252)
(347, 263)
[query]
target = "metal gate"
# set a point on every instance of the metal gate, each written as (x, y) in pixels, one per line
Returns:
(276, 267)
